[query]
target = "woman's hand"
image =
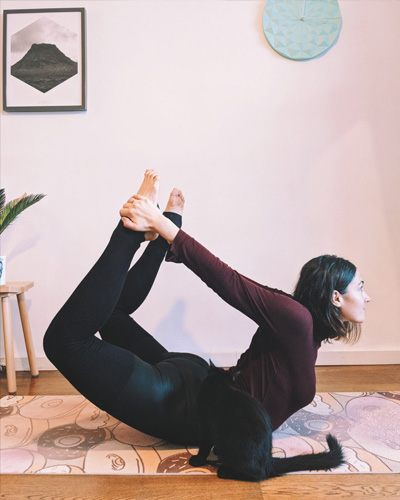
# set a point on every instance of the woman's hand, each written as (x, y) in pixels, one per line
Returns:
(139, 214)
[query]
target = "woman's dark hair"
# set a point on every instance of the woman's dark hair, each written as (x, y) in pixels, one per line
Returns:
(319, 278)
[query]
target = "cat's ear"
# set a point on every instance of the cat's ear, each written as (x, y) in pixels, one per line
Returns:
(212, 364)
(235, 375)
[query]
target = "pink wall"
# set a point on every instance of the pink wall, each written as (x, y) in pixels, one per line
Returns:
(279, 161)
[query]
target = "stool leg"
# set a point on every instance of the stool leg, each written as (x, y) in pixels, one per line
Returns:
(8, 345)
(23, 311)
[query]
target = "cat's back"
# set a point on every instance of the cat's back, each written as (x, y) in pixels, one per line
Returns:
(231, 404)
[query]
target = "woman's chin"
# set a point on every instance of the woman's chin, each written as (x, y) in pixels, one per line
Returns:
(358, 319)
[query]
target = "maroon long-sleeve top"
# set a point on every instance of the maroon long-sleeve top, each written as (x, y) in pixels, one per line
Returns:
(278, 368)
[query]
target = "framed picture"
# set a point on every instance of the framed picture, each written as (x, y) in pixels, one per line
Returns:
(44, 60)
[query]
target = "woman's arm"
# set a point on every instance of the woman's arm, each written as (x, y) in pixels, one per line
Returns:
(262, 304)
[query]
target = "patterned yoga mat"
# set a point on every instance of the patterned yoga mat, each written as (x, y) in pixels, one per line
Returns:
(69, 435)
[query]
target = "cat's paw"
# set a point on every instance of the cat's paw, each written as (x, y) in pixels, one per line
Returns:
(225, 472)
(216, 451)
(196, 461)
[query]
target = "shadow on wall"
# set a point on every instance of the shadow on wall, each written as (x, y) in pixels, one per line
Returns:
(171, 331)
(22, 247)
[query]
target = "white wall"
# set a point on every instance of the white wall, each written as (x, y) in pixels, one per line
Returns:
(280, 161)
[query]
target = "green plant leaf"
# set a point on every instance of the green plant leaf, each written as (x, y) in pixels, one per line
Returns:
(2, 198)
(13, 208)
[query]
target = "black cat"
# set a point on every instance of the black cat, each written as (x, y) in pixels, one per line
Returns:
(238, 427)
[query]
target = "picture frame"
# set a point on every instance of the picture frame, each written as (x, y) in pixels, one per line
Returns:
(44, 60)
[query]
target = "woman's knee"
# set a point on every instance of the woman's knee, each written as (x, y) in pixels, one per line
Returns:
(51, 345)
(56, 345)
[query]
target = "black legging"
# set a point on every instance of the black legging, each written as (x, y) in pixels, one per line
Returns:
(127, 373)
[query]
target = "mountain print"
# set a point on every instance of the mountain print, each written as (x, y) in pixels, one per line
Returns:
(44, 67)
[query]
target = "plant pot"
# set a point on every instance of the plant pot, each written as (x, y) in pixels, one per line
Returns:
(2, 270)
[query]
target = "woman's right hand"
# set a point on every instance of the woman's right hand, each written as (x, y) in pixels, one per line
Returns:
(140, 214)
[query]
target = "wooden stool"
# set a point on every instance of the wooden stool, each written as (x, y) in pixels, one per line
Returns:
(17, 288)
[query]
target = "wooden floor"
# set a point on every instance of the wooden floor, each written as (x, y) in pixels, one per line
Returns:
(315, 487)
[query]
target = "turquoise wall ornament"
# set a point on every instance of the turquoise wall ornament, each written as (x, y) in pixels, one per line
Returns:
(302, 29)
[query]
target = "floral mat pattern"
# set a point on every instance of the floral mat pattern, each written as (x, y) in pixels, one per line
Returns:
(69, 435)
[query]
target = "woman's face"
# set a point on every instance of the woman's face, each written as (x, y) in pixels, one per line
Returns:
(352, 304)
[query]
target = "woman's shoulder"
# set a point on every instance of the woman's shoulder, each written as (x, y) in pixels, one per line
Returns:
(290, 310)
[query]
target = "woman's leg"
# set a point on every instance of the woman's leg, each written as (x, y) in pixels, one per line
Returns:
(121, 329)
(149, 398)
(113, 378)
(94, 367)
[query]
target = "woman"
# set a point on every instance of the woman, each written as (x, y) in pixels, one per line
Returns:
(131, 376)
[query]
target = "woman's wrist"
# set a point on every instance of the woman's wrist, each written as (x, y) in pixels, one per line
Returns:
(166, 228)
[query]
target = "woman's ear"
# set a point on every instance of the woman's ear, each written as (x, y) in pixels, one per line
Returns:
(336, 298)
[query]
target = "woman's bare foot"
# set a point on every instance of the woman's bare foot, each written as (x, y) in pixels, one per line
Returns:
(176, 202)
(149, 188)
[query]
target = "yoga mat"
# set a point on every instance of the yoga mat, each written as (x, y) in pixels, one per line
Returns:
(69, 435)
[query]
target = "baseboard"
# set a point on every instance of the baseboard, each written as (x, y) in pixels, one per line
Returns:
(325, 358)
(22, 364)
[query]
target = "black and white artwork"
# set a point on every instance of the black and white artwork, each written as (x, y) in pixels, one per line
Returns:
(44, 60)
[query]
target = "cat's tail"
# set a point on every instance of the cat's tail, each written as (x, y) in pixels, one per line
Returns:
(318, 461)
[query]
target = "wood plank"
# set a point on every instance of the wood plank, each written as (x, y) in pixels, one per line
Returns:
(195, 487)
(49, 382)
(329, 378)
(320, 487)
(358, 378)
(22, 487)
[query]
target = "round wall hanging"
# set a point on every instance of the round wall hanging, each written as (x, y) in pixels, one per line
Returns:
(302, 29)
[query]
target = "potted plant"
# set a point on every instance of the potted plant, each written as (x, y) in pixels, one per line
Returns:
(8, 213)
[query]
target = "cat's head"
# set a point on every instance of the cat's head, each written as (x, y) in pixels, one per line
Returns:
(219, 373)
(214, 369)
